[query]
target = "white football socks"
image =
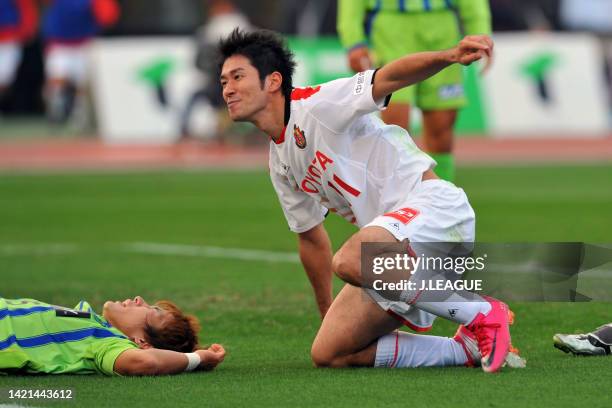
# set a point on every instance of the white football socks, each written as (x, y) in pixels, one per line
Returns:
(401, 349)
(456, 308)
(459, 306)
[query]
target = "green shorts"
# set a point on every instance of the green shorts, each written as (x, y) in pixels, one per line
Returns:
(397, 34)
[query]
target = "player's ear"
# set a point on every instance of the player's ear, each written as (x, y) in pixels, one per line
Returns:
(141, 343)
(274, 81)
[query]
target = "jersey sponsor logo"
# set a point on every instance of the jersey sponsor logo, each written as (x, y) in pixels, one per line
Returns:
(62, 312)
(360, 85)
(452, 312)
(314, 173)
(404, 215)
(299, 136)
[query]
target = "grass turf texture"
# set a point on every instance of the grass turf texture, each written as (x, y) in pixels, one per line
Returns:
(264, 312)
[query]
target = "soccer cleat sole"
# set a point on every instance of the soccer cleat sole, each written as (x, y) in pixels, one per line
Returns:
(559, 344)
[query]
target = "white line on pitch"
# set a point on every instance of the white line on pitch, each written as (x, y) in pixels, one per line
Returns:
(37, 249)
(211, 252)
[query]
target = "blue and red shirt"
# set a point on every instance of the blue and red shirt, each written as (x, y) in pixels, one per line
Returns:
(17, 20)
(73, 21)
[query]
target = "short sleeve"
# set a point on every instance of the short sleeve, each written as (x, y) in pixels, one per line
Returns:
(340, 102)
(106, 351)
(302, 211)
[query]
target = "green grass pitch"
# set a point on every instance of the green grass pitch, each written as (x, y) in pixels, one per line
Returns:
(264, 311)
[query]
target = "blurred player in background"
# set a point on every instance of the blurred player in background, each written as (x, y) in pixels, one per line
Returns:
(223, 17)
(68, 26)
(380, 31)
(330, 153)
(596, 343)
(18, 23)
(130, 338)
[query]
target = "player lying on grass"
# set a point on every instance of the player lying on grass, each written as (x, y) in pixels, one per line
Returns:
(329, 152)
(130, 338)
(596, 343)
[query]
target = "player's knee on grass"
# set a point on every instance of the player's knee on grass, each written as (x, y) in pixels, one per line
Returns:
(322, 352)
(323, 357)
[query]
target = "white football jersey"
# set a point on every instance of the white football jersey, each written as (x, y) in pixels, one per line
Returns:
(336, 155)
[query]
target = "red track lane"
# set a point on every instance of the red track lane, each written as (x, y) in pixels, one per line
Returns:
(87, 154)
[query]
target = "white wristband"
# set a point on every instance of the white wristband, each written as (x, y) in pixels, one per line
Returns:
(194, 361)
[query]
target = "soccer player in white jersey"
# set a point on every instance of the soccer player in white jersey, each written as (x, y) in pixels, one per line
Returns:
(329, 152)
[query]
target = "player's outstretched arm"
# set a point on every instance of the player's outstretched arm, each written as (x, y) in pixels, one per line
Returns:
(163, 362)
(415, 68)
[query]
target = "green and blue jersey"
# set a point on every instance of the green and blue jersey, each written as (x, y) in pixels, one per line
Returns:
(355, 17)
(36, 337)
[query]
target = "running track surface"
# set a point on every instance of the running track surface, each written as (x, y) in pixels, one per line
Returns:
(94, 155)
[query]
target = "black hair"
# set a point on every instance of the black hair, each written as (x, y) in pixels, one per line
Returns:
(267, 52)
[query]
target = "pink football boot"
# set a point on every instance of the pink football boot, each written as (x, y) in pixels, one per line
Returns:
(492, 335)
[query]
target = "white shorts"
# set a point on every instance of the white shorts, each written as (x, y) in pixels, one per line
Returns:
(10, 57)
(67, 62)
(436, 211)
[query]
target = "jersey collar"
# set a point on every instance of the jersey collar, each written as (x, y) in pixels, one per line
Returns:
(296, 95)
(281, 138)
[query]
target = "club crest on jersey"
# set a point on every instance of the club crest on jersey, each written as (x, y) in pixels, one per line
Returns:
(300, 137)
